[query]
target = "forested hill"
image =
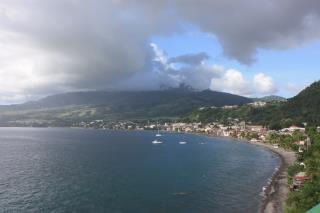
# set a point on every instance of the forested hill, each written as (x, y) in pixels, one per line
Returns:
(75, 106)
(304, 107)
(171, 103)
(142, 99)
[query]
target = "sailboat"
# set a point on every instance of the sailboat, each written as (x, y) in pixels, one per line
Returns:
(158, 134)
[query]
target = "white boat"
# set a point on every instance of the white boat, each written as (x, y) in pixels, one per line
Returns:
(156, 142)
(182, 142)
(158, 134)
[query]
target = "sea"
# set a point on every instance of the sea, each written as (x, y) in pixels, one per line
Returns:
(86, 170)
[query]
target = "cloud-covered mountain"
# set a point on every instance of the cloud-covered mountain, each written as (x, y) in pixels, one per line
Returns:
(49, 47)
(76, 106)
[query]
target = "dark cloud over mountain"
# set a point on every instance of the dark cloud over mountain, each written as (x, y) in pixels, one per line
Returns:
(52, 46)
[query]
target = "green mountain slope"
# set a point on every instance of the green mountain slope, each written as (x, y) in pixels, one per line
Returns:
(118, 105)
(304, 107)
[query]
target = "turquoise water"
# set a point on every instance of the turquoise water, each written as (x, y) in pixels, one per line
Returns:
(78, 170)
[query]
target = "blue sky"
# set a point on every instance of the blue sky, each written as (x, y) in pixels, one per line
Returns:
(291, 69)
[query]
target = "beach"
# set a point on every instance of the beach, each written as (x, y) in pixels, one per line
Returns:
(277, 192)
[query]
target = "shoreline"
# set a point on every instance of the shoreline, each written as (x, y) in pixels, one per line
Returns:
(277, 191)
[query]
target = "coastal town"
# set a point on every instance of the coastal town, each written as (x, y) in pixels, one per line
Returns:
(292, 138)
(236, 129)
(239, 130)
(291, 144)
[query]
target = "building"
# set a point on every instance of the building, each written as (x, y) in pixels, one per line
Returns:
(299, 179)
(258, 104)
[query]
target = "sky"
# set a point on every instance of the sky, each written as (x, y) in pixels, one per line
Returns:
(245, 47)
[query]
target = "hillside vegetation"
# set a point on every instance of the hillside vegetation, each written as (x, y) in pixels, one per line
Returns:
(309, 195)
(72, 107)
(305, 107)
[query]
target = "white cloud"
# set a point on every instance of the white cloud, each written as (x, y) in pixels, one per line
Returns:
(264, 84)
(52, 46)
(199, 76)
(233, 82)
(197, 73)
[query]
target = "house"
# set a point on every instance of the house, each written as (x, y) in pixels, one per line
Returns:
(230, 107)
(295, 128)
(255, 128)
(299, 143)
(292, 129)
(258, 104)
(299, 179)
(262, 137)
(208, 130)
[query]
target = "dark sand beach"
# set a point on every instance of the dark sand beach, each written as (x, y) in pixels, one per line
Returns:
(278, 190)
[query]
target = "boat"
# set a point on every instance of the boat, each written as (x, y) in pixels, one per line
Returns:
(156, 142)
(158, 134)
(182, 142)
